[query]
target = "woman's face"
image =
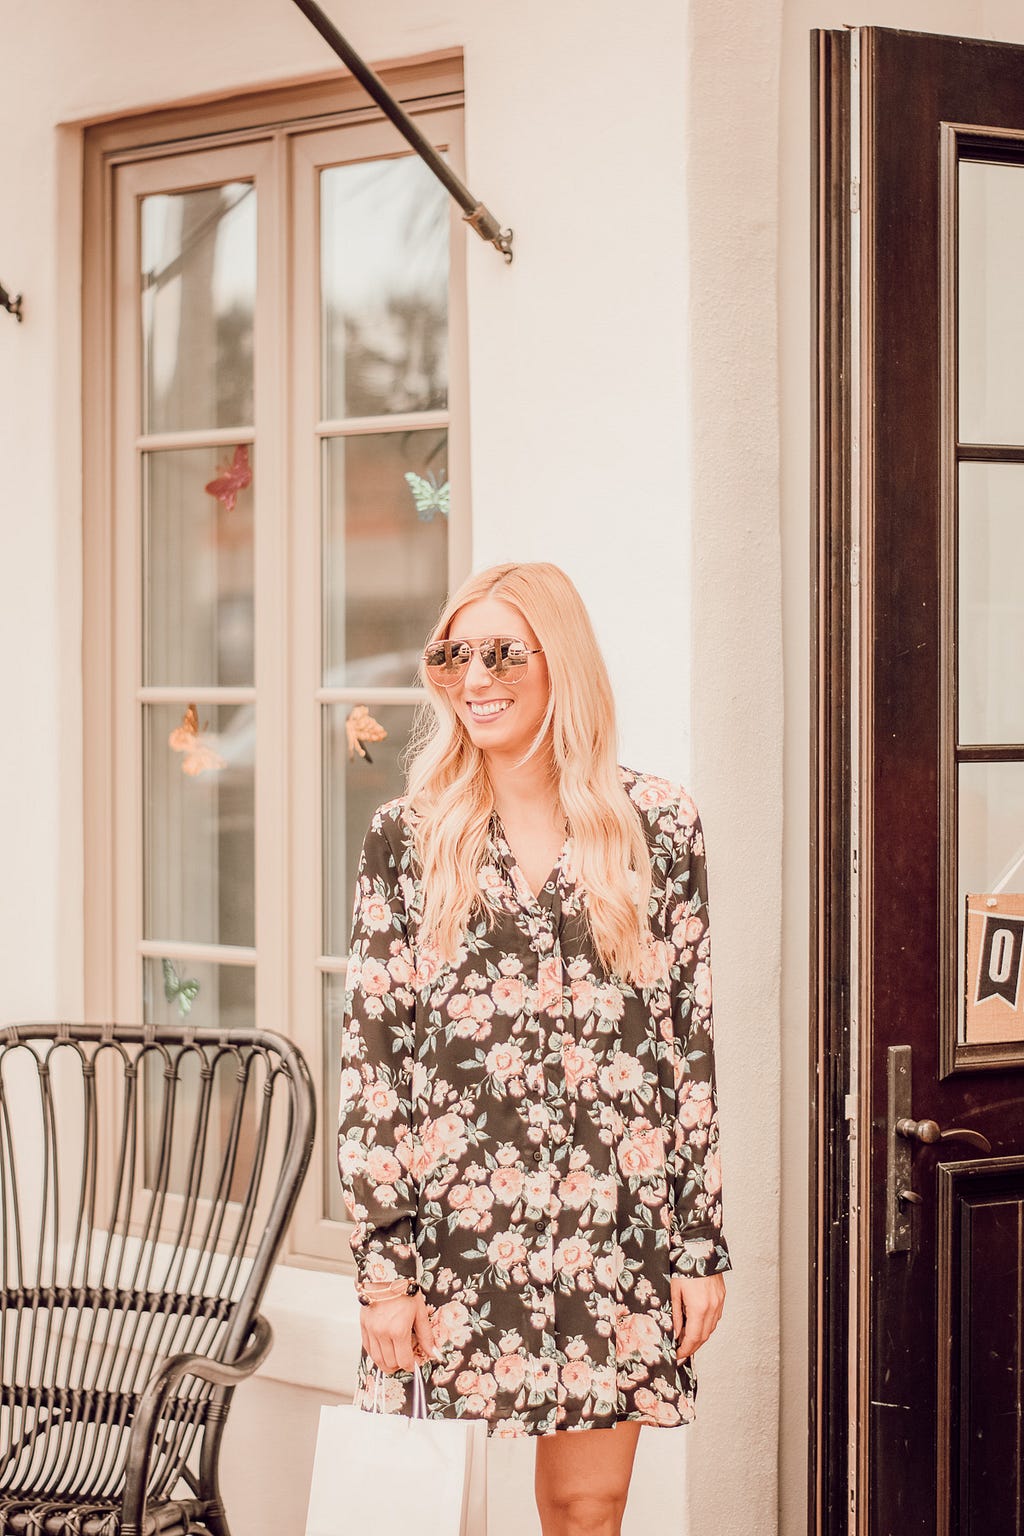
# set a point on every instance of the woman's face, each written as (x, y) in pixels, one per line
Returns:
(502, 718)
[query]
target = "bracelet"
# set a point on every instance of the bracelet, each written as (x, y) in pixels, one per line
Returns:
(393, 1288)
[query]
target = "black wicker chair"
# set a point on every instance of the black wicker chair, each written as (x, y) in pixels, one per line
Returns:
(147, 1176)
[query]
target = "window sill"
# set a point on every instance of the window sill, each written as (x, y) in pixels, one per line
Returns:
(315, 1318)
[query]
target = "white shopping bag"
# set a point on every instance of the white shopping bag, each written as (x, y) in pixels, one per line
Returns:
(398, 1476)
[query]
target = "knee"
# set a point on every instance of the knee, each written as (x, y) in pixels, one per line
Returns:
(582, 1513)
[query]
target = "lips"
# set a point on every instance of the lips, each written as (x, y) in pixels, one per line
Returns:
(489, 709)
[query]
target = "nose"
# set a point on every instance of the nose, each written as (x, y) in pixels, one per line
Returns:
(477, 675)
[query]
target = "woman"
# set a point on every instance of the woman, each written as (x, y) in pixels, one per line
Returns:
(529, 1128)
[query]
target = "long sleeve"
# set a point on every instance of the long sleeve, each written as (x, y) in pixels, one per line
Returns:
(375, 1140)
(696, 1245)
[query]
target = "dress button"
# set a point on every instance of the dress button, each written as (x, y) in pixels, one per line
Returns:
(540, 1225)
(538, 1156)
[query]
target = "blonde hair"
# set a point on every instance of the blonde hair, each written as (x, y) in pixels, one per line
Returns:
(450, 796)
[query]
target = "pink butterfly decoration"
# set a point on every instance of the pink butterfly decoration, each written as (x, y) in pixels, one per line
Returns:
(232, 478)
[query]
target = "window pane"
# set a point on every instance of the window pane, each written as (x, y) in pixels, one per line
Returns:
(990, 858)
(198, 567)
(384, 288)
(990, 684)
(385, 558)
(334, 1003)
(991, 303)
(198, 803)
(213, 997)
(353, 788)
(198, 301)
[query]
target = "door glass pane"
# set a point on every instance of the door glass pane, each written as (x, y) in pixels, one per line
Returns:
(990, 868)
(384, 288)
(213, 997)
(385, 555)
(198, 814)
(198, 300)
(198, 567)
(991, 603)
(354, 786)
(991, 303)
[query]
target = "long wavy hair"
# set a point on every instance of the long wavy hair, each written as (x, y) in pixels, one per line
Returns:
(450, 795)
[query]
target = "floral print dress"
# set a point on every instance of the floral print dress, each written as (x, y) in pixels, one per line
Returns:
(532, 1139)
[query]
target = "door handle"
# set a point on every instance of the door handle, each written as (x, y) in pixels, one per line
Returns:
(902, 1131)
(928, 1131)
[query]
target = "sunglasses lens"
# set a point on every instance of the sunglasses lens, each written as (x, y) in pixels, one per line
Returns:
(445, 661)
(508, 659)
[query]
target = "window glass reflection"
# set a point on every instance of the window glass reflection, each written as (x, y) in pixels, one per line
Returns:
(384, 288)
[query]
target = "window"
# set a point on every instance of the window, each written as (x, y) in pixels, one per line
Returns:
(274, 341)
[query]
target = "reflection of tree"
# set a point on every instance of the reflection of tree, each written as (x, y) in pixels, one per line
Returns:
(387, 305)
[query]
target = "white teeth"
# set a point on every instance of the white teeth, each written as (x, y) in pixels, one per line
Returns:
(495, 708)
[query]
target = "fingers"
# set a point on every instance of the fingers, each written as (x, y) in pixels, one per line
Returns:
(423, 1334)
(701, 1300)
(388, 1336)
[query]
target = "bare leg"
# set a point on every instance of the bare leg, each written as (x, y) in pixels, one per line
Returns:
(582, 1479)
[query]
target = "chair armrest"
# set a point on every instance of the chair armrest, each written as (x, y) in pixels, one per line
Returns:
(155, 1398)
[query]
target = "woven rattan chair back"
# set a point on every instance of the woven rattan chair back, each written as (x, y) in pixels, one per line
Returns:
(147, 1176)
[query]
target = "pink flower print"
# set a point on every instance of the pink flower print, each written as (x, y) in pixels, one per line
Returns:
(449, 1131)
(712, 1174)
(504, 1060)
(577, 1376)
(537, 1190)
(510, 1372)
(428, 966)
(375, 914)
(702, 987)
(506, 1155)
(349, 1084)
(651, 793)
(379, 1101)
(687, 814)
(458, 1005)
(507, 1184)
(694, 929)
(399, 969)
(510, 965)
(572, 1255)
(482, 1198)
(540, 1266)
(622, 1074)
(604, 1384)
(451, 1324)
(382, 1165)
(638, 1334)
(351, 1158)
(641, 1152)
(610, 1003)
(506, 1248)
(460, 1196)
(576, 1189)
(508, 995)
(578, 1063)
(578, 967)
(584, 998)
(654, 965)
(549, 986)
(481, 1008)
(605, 1194)
(375, 979)
(693, 1104)
(544, 1371)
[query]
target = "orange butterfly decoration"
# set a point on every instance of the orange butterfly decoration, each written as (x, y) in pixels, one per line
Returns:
(199, 757)
(360, 726)
(231, 478)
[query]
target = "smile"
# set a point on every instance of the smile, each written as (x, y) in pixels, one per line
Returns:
(493, 707)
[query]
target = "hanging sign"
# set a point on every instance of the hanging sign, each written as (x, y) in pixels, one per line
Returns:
(994, 992)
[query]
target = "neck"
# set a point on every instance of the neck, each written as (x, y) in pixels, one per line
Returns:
(520, 786)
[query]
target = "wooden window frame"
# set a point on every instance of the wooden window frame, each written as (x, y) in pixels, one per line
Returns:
(288, 800)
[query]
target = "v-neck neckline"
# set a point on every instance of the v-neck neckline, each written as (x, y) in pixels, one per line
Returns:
(515, 869)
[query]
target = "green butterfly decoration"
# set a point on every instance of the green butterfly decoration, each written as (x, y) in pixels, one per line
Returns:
(185, 992)
(428, 495)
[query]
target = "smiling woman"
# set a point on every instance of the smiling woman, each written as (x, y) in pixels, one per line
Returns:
(528, 1140)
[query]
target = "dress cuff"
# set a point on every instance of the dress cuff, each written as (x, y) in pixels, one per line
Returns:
(379, 1259)
(698, 1253)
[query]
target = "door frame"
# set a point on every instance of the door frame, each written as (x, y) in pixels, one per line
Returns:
(835, 1456)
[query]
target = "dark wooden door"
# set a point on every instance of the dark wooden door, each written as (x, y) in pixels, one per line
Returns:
(921, 824)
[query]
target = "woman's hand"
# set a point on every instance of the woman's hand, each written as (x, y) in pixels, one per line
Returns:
(397, 1333)
(697, 1302)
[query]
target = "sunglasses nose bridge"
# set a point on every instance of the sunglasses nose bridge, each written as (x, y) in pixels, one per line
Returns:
(476, 671)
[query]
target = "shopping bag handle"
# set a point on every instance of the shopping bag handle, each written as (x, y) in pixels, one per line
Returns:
(419, 1396)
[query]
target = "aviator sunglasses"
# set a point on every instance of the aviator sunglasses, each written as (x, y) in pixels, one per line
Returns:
(446, 662)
